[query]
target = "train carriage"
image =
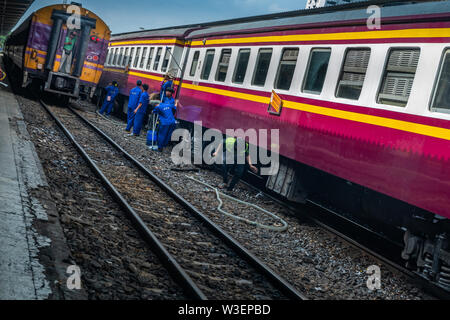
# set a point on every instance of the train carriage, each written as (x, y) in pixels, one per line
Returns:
(148, 56)
(364, 113)
(36, 49)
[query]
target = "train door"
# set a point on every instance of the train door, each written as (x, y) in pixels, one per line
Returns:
(67, 48)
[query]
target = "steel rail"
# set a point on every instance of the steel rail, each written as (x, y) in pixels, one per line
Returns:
(419, 280)
(277, 281)
(177, 272)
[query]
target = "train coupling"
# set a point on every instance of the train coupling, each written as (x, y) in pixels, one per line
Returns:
(62, 83)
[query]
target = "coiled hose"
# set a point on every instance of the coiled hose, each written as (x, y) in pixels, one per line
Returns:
(255, 223)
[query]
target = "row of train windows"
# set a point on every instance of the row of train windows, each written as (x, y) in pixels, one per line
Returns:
(397, 80)
(123, 57)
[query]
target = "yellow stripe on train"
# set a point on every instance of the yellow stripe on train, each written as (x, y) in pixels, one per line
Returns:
(365, 35)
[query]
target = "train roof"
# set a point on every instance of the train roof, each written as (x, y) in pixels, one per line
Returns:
(339, 15)
(342, 17)
(176, 32)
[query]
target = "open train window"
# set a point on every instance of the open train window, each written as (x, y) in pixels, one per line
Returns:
(241, 65)
(125, 57)
(110, 56)
(144, 55)
(286, 69)
(353, 74)
(224, 62)
(441, 95)
(399, 77)
(157, 58)
(209, 58)
(115, 56)
(194, 63)
(136, 58)
(317, 71)
(119, 61)
(165, 63)
(262, 67)
(150, 57)
(131, 57)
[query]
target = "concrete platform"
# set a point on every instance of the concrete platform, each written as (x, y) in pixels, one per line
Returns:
(25, 228)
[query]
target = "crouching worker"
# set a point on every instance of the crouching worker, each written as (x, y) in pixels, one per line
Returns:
(111, 93)
(133, 101)
(234, 150)
(167, 121)
(140, 111)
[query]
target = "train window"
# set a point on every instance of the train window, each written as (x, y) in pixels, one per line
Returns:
(125, 57)
(131, 57)
(115, 56)
(150, 57)
(241, 65)
(110, 56)
(398, 77)
(136, 58)
(441, 98)
(209, 58)
(165, 60)
(262, 67)
(353, 74)
(144, 55)
(224, 62)
(119, 61)
(286, 69)
(317, 70)
(194, 63)
(157, 58)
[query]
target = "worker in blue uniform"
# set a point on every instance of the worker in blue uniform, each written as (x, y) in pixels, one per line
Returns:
(167, 123)
(140, 111)
(133, 101)
(168, 96)
(111, 93)
(167, 83)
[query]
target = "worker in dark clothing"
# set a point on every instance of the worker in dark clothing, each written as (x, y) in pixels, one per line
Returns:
(167, 121)
(140, 111)
(111, 93)
(133, 101)
(233, 147)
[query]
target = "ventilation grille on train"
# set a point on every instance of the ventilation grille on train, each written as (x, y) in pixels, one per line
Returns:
(399, 76)
(357, 61)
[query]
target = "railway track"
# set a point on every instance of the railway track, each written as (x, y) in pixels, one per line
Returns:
(204, 260)
(377, 246)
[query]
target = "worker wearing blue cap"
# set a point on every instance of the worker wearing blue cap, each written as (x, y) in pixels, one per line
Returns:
(111, 93)
(133, 101)
(140, 111)
(167, 121)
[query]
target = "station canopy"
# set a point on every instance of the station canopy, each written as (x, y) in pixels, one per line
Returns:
(10, 13)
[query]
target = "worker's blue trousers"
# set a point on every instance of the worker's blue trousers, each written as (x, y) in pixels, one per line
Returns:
(164, 135)
(107, 106)
(130, 118)
(138, 123)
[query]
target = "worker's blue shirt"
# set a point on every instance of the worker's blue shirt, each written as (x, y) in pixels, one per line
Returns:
(165, 111)
(144, 99)
(169, 100)
(135, 95)
(164, 86)
(112, 91)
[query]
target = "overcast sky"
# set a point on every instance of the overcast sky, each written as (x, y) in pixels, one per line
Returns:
(130, 15)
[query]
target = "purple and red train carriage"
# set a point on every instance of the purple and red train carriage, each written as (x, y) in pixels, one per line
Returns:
(365, 118)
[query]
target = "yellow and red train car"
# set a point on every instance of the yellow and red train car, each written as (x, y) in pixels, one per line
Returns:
(36, 49)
